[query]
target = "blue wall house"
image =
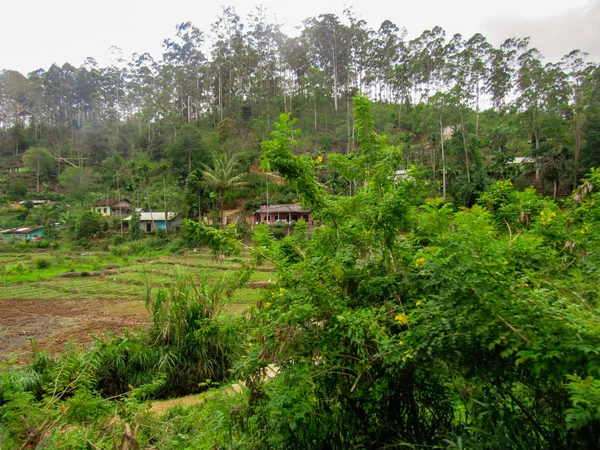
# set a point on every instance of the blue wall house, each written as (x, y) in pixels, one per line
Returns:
(23, 234)
(152, 221)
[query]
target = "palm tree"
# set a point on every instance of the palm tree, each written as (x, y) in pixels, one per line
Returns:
(223, 177)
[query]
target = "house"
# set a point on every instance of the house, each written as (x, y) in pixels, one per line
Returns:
(521, 160)
(36, 202)
(112, 207)
(152, 221)
(282, 213)
(23, 234)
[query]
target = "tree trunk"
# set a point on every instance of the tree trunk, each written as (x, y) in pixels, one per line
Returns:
(221, 203)
(165, 200)
(443, 159)
(37, 176)
(577, 150)
(462, 125)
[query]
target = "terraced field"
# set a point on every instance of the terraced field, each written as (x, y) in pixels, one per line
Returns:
(76, 297)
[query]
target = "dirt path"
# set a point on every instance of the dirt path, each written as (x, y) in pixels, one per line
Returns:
(55, 322)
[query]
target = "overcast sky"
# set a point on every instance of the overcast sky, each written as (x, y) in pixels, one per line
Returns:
(37, 33)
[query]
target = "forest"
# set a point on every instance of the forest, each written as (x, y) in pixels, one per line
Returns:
(446, 297)
(461, 108)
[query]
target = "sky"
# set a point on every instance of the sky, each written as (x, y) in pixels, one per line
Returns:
(37, 33)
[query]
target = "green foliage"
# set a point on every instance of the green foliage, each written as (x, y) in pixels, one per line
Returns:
(457, 326)
(42, 263)
(17, 190)
(135, 227)
(221, 243)
(87, 225)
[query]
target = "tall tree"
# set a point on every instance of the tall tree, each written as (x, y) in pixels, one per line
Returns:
(40, 162)
(223, 177)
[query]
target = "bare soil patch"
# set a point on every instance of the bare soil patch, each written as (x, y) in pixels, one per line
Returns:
(54, 322)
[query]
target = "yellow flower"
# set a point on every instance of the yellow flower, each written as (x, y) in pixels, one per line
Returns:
(243, 356)
(272, 294)
(419, 262)
(401, 318)
(525, 285)
(319, 159)
(281, 290)
(404, 359)
(418, 304)
(267, 305)
(250, 344)
(505, 262)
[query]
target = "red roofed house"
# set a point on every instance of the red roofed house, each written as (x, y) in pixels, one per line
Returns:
(282, 213)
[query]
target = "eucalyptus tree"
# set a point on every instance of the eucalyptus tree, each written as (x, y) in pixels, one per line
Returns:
(13, 98)
(264, 63)
(476, 53)
(185, 67)
(531, 79)
(439, 109)
(577, 69)
(228, 53)
(58, 93)
(327, 38)
(499, 82)
(315, 84)
(143, 90)
(359, 48)
(428, 61)
(387, 43)
(591, 127)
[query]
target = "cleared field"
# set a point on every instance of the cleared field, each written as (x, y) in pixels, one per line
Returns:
(100, 293)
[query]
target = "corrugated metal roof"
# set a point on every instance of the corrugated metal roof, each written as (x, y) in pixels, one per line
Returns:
(22, 230)
(157, 216)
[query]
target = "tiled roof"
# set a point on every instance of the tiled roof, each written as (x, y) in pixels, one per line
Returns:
(110, 201)
(288, 208)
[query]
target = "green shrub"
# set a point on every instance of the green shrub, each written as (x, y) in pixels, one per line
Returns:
(42, 244)
(118, 240)
(177, 245)
(42, 263)
(85, 407)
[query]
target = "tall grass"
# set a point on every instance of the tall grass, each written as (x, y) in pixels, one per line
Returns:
(179, 309)
(200, 343)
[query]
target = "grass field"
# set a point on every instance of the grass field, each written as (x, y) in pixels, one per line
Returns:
(100, 292)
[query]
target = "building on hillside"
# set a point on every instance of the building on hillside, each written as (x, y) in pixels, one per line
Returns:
(231, 216)
(37, 202)
(23, 234)
(522, 160)
(112, 207)
(14, 167)
(282, 214)
(152, 221)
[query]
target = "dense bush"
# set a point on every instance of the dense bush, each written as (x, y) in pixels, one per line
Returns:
(401, 322)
